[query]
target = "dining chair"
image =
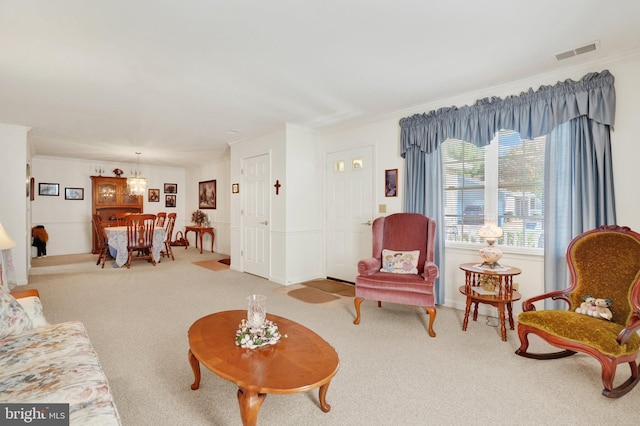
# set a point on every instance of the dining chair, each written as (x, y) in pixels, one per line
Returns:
(140, 231)
(160, 218)
(102, 240)
(121, 218)
(168, 251)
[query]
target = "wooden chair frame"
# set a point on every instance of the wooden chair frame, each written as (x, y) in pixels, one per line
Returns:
(102, 240)
(628, 324)
(140, 232)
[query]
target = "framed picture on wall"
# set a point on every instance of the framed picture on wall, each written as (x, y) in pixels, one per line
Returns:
(207, 194)
(49, 189)
(170, 188)
(391, 183)
(74, 193)
(154, 195)
(169, 200)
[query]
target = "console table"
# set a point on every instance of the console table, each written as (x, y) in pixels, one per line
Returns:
(200, 231)
(503, 295)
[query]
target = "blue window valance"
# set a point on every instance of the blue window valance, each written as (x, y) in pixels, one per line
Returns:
(532, 114)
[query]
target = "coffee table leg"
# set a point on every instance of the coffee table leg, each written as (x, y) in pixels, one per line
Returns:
(195, 366)
(250, 403)
(322, 394)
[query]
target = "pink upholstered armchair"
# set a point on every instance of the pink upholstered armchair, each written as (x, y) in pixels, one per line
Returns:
(401, 269)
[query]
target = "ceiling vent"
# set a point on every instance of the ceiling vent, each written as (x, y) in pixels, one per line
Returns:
(577, 51)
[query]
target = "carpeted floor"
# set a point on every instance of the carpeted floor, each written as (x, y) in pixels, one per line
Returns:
(212, 264)
(67, 259)
(391, 372)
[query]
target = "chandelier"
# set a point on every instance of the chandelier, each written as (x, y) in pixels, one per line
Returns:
(136, 183)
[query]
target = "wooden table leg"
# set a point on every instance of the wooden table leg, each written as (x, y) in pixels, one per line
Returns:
(199, 235)
(465, 322)
(250, 403)
(212, 239)
(475, 311)
(322, 394)
(503, 328)
(195, 366)
(510, 311)
(185, 237)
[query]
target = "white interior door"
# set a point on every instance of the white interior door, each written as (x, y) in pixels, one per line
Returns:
(255, 216)
(349, 183)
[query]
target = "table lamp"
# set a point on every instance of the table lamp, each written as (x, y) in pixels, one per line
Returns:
(6, 242)
(490, 254)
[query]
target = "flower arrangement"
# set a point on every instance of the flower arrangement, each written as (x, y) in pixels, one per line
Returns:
(199, 216)
(247, 337)
(118, 172)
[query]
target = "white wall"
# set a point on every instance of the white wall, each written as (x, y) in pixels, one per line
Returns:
(220, 217)
(14, 212)
(295, 220)
(68, 222)
(304, 206)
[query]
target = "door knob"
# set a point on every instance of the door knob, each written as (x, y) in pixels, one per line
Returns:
(368, 223)
(266, 222)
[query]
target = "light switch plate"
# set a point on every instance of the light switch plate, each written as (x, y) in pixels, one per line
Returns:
(382, 208)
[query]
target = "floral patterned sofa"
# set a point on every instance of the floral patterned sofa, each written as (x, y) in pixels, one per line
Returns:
(50, 363)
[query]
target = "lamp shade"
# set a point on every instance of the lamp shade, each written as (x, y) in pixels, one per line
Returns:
(6, 242)
(490, 231)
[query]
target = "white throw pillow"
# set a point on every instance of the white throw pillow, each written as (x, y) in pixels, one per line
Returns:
(400, 262)
(33, 307)
(13, 318)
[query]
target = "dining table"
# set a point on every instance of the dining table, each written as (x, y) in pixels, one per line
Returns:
(118, 242)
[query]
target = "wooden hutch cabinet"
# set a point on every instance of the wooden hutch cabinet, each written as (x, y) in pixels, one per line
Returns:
(109, 196)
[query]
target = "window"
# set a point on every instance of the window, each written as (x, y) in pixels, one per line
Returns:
(501, 182)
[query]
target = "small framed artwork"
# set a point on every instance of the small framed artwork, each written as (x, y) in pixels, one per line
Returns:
(170, 188)
(169, 200)
(235, 188)
(154, 195)
(74, 193)
(391, 183)
(50, 189)
(207, 194)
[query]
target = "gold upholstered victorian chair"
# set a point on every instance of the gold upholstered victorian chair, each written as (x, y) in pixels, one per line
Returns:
(401, 269)
(604, 264)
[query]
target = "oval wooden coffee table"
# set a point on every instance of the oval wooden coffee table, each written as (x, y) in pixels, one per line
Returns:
(297, 363)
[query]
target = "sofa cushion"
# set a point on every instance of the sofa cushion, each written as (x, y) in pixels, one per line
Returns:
(57, 364)
(13, 318)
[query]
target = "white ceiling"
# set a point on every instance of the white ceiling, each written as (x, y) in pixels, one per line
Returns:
(103, 79)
